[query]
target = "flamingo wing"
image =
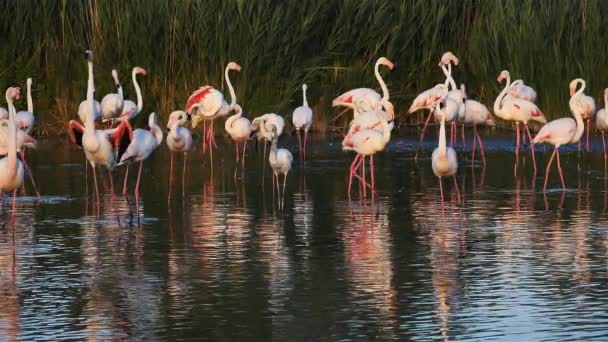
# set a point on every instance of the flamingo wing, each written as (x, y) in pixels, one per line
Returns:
(121, 137)
(75, 132)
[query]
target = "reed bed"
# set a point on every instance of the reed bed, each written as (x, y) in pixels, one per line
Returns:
(329, 44)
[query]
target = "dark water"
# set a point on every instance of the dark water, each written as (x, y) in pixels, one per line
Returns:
(221, 262)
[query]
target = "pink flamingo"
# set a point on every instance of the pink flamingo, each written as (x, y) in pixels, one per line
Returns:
(582, 104)
(302, 119)
(476, 114)
(239, 129)
(179, 139)
(208, 103)
(25, 121)
(444, 161)
(601, 119)
(11, 168)
(559, 132)
(112, 104)
(517, 110)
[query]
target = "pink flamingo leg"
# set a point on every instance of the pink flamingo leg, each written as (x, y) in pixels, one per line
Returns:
(29, 172)
(559, 168)
(124, 183)
(363, 181)
(588, 126)
(483, 154)
(170, 178)
(184, 174)
(243, 154)
(426, 123)
(111, 182)
(96, 187)
(549, 168)
(13, 211)
(464, 145)
(474, 146)
(371, 170)
(531, 146)
(441, 191)
(456, 186)
(516, 149)
(604, 144)
(305, 142)
(300, 145)
(86, 176)
(138, 179)
(353, 166)
(204, 147)
(236, 148)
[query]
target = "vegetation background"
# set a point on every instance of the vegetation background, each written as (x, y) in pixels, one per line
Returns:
(329, 44)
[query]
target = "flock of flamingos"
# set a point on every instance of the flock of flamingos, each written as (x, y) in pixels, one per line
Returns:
(118, 144)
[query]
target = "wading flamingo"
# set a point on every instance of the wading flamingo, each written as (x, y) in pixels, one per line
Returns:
(101, 147)
(583, 104)
(366, 142)
(280, 160)
(264, 133)
(476, 114)
(365, 99)
(142, 145)
(302, 119)
(11, 168)
(239, 129)
(25, 121)
(517, 110)
(444, 161)
(207, 103)
(559, 132)
(112, 104)
(179, 139)
(601, 120)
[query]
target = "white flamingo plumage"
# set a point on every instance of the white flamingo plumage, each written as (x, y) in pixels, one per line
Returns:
(179, 139)
(280, 160)
(25, 122)
(559, 132)
(601, 120)
(239, 129)
(264, 133)
(207, 103)
(444, 161)
(11, 168)
(518, 110)
(112, 104)
(519, 90)
(143, 143)
(583, 104)
(302, 120)
(131, 109)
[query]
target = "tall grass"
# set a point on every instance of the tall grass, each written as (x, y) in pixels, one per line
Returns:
(329, 44)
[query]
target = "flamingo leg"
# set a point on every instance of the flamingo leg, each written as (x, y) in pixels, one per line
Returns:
(588, 126)
(141, 163)
(561, 174)
(516, 149)
(474, 146)
(29, 172)
(96, 187)
(243, 154)
(371, 170)
(305, 141)
(284, 184)
(483, 154)
(211, 143)
(14, 202)
(170, 177)
(300, 144)
(531, 146)
(353, 167)
(426, 123)
(184, 174)
(604, 144)
(124, 183)
(549, 169)
(204, 136)
(441, 191)
(86, 176)
(111, 182)
(363, 181)
(464, 145)
(456, 186)
(236, 148)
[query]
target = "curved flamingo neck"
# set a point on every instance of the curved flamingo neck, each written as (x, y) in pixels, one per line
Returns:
(140, 102)
(12, 139)
(117, 83)
(230, 88)
(449, 80)
(304, 100)
(30, 103)
(501, 96)
(230, 121)
(385, 94)
(155, 130)
(581, 89)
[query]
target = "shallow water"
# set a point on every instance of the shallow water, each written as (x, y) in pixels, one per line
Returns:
(222, 262)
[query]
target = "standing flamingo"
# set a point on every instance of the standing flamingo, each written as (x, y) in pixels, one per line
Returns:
(366, 142)
(280, 160)
(99, 145)
(366, 99)
(84, 108)
(11, 168)
(517, 110)
(207, 103)
(601, 120)
(25, 121)
(444, 161)
(262, 126)
(475, 114)
(112, 104)
(179, 139)
(582, 104)
(142, 145)
(559, 132)
(239, 129)
(302, 119)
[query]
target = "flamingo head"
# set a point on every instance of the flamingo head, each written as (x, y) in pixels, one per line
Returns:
(574, 85)
(490, 120)
(384, 61)
(390, 110)
(304, 87)
(115, 77)
(233, 66)
(88, 55)
(139, 71)
(448, 58)
(177, 117)
(29, 82)
(13, 93)
(273, 131)
(503, 75)
(345, 101)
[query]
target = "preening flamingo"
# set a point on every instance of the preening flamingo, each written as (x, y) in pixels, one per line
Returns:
(142, 145)
(11, 168)
(112, 104)
(207, 103)
(239, 129)
(264, 133)
(131, 109)
(601, 120)
(84, 108)
(444, 161)
(559, 132)
(25, 121)
(365, 99)
(583, 104)
(476, 114)
(517, 110)
(280, 160)
(366, 142)
(179, 139)
(99, 145)
(519, 90)
(302, 119)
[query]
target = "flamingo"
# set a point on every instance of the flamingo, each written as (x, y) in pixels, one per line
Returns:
(267, 120)
(475, 114)
(84, 108)
(601, 119)
(23, 139)
(444, 161)
(112, 104)
(280, 160)
(302, 119)
(366, 99)
(582, 104)
(11, 168)
(179, 139)
(142, 145)
(25, 121)
(559, 132)
(239, 129)
(99, 145)
(518, 110)
(367, 142)
(207, 103)
(130, 109)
